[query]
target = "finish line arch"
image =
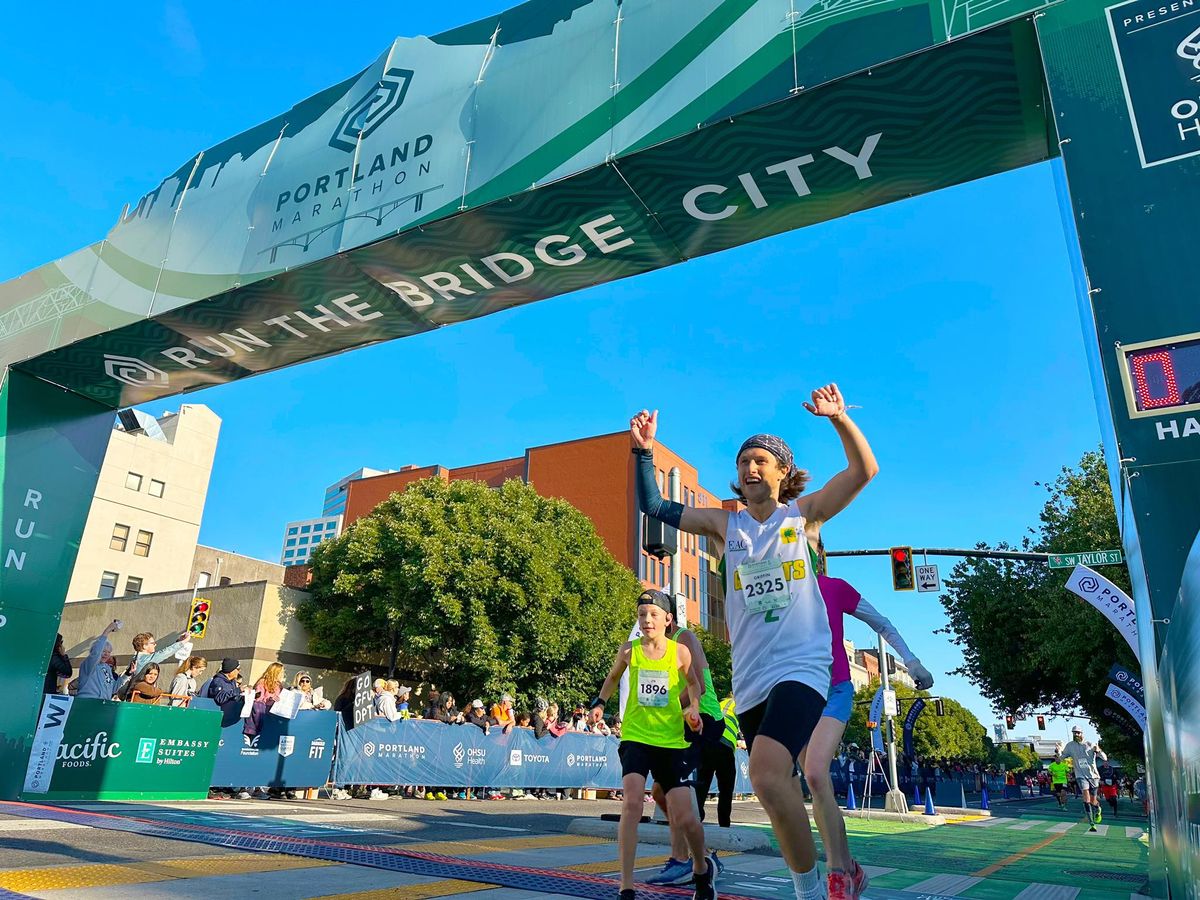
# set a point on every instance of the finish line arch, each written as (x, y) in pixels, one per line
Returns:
(566, 143)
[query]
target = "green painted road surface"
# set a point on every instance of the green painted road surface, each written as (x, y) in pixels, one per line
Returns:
(1029, 850)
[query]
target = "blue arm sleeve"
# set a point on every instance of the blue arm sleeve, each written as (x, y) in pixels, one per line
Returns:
(650, 498)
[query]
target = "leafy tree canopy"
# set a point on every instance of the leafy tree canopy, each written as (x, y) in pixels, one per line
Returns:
(485, 590)
(1028, 643)
(957, 735)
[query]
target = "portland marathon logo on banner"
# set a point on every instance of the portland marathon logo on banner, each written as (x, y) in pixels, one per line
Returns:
(1158, 53)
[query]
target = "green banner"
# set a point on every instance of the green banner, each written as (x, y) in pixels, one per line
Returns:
(51, 445)
(132, 751)
(1125, 88)
(958, 112)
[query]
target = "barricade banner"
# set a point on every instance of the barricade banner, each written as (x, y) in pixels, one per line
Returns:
(413, 751)
(910, 719)
(876, 715)
(132, 751)
(286, 753)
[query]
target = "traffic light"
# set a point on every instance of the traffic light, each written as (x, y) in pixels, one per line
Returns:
(903, 578)
(198, 619)
(1041, 720)
(939, 707)
(1032, 749)
(1010, 722)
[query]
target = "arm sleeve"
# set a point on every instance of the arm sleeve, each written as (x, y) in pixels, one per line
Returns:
(882, 626)
(650, 498)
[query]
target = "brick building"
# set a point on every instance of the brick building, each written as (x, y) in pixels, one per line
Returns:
(594, 474)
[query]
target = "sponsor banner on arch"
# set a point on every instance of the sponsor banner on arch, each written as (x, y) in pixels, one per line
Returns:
(132, 751)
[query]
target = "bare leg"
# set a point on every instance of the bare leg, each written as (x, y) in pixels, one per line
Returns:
(633, 787)
(679, 845)
(679, 808)
(815, 760)
(779, 792)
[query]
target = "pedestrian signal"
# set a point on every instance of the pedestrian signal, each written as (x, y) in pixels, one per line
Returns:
(939, 707)
(1009, 721)
(903, 578)
(198, 619)
(1041, 720)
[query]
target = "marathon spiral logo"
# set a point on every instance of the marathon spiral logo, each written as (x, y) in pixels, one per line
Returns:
(570, 759)
(1089, 584)
(372, 109)
(1122, 676)
(133, 372)
(368, 749)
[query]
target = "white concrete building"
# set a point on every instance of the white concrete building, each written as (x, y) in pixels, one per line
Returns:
(144, 522)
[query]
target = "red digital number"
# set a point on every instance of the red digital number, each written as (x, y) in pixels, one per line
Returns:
(1138, 363)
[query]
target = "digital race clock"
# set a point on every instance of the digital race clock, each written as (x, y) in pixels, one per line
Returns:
(1161, 376)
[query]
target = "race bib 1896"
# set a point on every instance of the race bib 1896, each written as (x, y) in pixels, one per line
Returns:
(654, 687)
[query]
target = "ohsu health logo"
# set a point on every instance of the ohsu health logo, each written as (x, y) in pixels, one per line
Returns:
(133, 372)
(460, 754)
(372, 110)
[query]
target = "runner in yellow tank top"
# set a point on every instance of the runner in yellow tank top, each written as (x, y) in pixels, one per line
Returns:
(652, 741)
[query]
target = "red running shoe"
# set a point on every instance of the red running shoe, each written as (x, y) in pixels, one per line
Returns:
(860, 879)
(840, 886)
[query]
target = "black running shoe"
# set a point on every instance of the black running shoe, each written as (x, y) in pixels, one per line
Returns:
(704, 883)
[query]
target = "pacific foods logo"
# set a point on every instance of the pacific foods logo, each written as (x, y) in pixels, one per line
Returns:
(83, 754)
(372, 109)
(133, 372)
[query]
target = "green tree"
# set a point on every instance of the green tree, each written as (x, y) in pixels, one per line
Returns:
(720, 661)
(956, 735)
(1027, 642)
(485, 590)
(1018, 759)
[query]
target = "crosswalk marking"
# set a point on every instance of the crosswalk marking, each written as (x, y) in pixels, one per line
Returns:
(1133, 832)
(1026, 824)
(944, 884)
(1039, 891)
(1102, 830)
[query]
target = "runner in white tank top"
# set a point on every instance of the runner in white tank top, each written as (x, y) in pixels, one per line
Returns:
(779, 629)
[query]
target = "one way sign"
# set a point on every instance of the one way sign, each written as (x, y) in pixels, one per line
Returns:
(927, 579)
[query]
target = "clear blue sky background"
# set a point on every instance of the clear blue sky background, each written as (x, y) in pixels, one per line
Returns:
(950, 318)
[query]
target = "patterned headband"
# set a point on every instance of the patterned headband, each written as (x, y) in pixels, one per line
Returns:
(772, 444)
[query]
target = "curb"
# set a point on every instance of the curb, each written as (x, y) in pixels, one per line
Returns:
(735, 839)
(916, 818)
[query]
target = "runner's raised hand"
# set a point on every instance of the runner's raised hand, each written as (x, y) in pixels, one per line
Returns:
(827, 401)
(642, 429)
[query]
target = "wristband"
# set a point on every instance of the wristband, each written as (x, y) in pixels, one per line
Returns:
(642, 451)
(596, 701)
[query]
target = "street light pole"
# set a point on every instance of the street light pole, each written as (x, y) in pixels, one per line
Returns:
(896, 800)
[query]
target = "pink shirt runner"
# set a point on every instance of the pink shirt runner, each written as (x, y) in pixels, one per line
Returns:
(840, 599)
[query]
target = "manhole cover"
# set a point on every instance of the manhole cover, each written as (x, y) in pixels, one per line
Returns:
(1130, 877)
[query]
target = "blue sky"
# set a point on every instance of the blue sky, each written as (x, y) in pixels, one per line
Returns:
(950, 318)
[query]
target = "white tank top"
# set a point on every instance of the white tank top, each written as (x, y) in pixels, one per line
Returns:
(778, 624)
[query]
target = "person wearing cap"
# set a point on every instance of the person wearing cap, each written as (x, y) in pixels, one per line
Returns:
(478, 716)
(403, 692)
(652, 741)
(1083, 755)
(224, 691)
(502, 713)
(779, 630)
(709, 755)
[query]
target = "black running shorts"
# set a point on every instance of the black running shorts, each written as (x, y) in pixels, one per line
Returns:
(788, 715)
(670, 767)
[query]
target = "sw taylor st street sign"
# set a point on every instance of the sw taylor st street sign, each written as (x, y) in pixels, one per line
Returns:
(1092, 558)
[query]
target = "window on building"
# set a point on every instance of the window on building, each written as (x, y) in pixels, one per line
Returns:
(292, 530)
(225, 581)
(156, 487)
(291, 542)
(142, 547)
(120, 537)
(108, 585)
(303, 540)
(133, 586)
(305, 529)
(203, 579)
(330, 526)
(289, 554)
(641, 572)
(133, 481)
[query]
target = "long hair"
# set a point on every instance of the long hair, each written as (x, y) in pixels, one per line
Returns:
(790, 488)
(190, 662)
(273, 677)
